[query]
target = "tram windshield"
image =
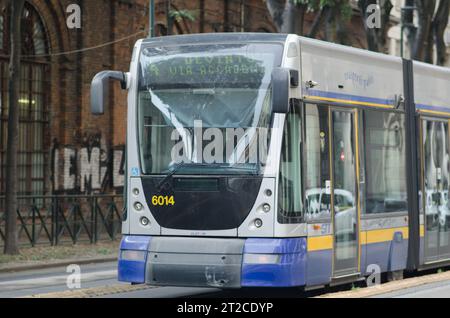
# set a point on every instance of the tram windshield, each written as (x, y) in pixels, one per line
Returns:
(205, 109)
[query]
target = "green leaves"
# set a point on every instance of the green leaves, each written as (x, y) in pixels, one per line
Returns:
(346, 10)
(316, 5)
(179, 15)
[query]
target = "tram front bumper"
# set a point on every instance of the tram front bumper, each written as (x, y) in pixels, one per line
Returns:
(197, 262)
(213, 262)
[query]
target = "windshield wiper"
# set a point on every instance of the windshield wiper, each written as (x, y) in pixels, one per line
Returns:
(169, 176)
(216, 166)
(171, 173)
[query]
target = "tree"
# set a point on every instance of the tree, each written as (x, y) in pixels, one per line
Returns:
(423, 39)
(11, 238)
(338, 13)
(318, 20)
(176, 15)
(438, 27)
(376, 36)
(432, 21)
(289, 17)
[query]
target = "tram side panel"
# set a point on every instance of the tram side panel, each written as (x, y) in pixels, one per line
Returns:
(432, 98)
(350, 78)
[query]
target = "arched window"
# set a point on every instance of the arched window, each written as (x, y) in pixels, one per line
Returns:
(33, 102)
(33, 33)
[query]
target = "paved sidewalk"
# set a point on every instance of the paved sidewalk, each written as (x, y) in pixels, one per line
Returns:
(55, 263)
(392, 287)
(31, 258)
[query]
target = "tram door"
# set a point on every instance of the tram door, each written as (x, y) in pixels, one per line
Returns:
(345, 192)
(435, 188)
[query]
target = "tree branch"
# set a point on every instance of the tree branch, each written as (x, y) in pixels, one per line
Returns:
(439, 26)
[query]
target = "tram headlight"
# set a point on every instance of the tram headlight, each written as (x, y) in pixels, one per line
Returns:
(266, 207)
(129, 255)
(138, 206)
(261, 258)
(258, 223)
(136, 191)
(269, 192)
(145, 221)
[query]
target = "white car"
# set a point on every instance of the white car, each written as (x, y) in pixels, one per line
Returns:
(345, 214)
(437, 208)
(318, 206)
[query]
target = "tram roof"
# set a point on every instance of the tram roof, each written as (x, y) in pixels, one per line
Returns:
(216, 37)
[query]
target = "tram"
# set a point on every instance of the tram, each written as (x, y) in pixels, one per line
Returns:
(270, 160)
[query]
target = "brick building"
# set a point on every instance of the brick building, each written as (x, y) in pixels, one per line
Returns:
(63, 148)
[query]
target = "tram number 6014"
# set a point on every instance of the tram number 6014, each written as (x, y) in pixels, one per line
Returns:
(160, 200)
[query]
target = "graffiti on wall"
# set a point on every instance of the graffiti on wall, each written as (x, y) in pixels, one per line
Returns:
(89, 167)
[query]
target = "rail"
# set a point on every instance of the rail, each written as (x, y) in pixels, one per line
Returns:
(59, 219)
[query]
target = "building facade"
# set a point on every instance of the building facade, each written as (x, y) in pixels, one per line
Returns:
(63, 148)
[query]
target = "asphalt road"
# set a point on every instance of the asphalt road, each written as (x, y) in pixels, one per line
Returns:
(53, 280)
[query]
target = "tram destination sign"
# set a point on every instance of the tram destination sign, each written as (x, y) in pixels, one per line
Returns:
(231, 70)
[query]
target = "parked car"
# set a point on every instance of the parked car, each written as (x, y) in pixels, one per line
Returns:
(318, 206)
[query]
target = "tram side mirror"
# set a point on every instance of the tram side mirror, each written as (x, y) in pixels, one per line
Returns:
(100, 89)
(281, 81)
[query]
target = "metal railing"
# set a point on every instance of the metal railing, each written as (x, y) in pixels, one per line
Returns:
(59, 219)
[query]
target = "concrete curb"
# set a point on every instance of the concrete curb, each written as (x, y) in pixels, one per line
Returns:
(391, 287)
(61, 263)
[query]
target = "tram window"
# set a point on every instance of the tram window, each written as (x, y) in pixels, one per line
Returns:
(290, 185)
(436, 174)
(155, 148)
(317, 164)
(385, 162)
